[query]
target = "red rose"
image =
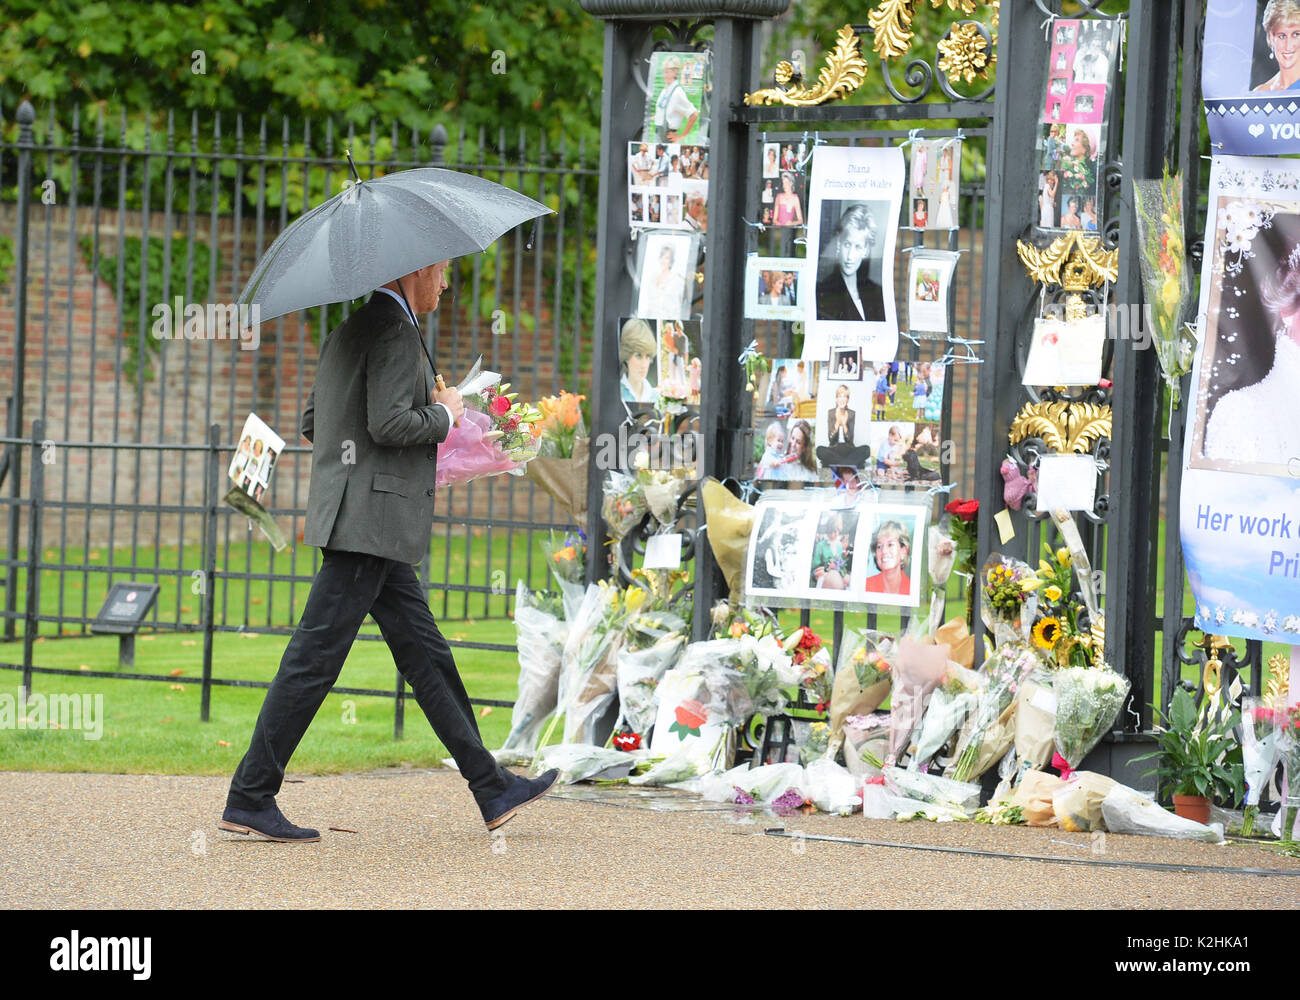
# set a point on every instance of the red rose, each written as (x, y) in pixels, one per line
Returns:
(499, 406)
(967, 510)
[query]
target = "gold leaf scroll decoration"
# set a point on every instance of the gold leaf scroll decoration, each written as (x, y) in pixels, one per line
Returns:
(842, 73)
(891, 23)
(1073, 261)
(1063, 426)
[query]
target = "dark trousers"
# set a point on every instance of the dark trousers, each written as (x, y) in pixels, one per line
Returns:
(349, 586)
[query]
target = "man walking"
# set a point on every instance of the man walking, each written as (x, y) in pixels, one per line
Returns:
(375, 420)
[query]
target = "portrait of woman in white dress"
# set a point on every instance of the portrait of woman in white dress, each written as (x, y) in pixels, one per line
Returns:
(1259, 424)
(663, 278)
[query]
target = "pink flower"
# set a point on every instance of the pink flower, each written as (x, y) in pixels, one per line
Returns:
(499, 406)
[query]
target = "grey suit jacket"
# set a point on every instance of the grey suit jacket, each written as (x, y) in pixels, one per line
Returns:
(374, 437)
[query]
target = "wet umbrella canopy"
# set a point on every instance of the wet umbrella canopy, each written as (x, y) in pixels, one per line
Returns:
(382, 229)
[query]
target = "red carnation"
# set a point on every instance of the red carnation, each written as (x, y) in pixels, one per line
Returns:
(499, 406)
(511, 424)
(627, 742)
(967, 510)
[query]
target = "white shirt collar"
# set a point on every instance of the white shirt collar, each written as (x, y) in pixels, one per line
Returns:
(398, 299)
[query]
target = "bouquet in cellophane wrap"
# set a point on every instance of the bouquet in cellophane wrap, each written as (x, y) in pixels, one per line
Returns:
(495, 434)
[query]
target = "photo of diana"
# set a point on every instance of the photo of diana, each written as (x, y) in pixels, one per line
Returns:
(890, 570)
(846, 290)
(1255, 420)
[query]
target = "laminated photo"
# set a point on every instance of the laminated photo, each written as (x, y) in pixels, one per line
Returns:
(822, 549)
(856, 196)
(1066, 353)
(667, 186)
(929, 283)
(255, 457)
(666, 275)
(638, 349)
(680, 370)
(934, 185)
(781, 200)
(785, 414)
(677, 105)
(775, 289)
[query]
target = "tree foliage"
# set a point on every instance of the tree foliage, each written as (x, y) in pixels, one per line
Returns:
(495, 64)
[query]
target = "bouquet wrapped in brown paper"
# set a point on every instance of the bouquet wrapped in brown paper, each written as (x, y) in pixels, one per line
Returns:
(862, 679)
(1035, 725)
(1034, 796)
(565, 479)
(1077, 802)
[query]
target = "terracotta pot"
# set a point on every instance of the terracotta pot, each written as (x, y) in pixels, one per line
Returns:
(1193, 807)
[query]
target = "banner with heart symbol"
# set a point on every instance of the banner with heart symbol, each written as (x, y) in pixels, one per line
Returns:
(1250, 76)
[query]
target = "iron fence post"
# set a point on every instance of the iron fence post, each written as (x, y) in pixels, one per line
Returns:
(26, 116)
(211, 487)
(32, 613)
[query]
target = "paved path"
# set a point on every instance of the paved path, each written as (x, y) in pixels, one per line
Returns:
(124, 841)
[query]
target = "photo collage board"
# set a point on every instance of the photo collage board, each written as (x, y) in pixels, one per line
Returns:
(821, 548)
(848, 420)
(1072, 132)
(783, 185)
(658, 340)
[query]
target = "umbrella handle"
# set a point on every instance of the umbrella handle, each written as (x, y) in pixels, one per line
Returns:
(437, 379)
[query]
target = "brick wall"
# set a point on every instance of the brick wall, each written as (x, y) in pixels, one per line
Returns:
(74, 381)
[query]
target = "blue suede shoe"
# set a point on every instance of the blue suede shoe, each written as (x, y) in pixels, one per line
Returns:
(499, 811)
(269, 824)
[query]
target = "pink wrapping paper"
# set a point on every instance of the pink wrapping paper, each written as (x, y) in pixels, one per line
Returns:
(465, 455)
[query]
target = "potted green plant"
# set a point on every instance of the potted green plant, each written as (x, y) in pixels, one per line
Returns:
(1196, 765)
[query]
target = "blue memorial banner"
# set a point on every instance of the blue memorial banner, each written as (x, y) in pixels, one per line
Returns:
(1250, 77)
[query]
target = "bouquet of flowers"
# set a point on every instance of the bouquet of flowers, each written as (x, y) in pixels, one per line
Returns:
(653, 644)
(623, 505)
(1159, 209)
(1087, 703)
(1262, 734)
(919, 670)
(964, 527)
(1010, 602)
(560, 425)
(541, 637)
(588, 681)
(805, 649)
(494, 435)
(742, 679)
(582, 762)
(866, 741)
(990, 730)
(1063, 629)
(862, 681)
(1290, 747)
(956, 698)
(567, 560)
(931, 788)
